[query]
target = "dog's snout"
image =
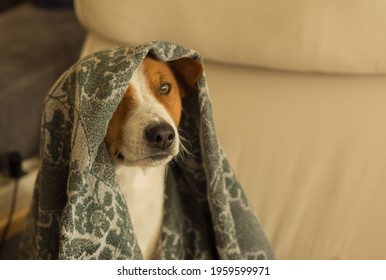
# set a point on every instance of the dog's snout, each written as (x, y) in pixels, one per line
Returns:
(161, 135)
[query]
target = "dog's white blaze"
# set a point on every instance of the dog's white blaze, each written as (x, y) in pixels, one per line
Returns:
(143, 186)
(148, 110)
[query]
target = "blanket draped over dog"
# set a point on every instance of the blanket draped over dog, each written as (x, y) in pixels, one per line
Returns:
(78, 210)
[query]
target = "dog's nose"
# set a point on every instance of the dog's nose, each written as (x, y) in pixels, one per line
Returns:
(161, 135)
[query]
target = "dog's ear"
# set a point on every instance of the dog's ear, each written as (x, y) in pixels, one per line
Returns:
(189, 71)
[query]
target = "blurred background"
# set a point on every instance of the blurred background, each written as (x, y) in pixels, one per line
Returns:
(298, 90)
(39, 40)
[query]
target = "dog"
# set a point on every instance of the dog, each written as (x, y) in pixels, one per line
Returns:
(142, 138)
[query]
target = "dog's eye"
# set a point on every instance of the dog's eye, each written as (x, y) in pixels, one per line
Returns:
(165, 88)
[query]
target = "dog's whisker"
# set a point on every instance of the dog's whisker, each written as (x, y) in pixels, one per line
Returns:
(118, 152)
(185, 147)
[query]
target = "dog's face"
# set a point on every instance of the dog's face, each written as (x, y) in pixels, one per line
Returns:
(143, 130)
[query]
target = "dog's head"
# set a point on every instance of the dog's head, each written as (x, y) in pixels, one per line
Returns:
(144, 128)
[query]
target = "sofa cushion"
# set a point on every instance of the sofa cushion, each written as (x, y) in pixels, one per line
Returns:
(329, 36)
(310, 151)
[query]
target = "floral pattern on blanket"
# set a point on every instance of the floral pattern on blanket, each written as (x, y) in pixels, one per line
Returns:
(78, 210)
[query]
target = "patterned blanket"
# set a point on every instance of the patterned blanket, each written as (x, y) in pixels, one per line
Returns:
(78, 210)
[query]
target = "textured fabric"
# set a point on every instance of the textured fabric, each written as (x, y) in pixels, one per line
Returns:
(78, 209)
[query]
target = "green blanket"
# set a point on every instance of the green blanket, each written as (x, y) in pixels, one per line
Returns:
(78, 210)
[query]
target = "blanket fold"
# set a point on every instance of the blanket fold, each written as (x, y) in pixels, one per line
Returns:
(78, 210)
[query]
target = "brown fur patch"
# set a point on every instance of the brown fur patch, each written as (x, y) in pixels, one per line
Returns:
(114, 134)
(158, 73)
(181, 75)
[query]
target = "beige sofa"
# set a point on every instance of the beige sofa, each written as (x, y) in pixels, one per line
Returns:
(299, 96)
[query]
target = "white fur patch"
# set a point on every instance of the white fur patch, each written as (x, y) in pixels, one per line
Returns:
(142, 182)
(148, 110)
(143, 189)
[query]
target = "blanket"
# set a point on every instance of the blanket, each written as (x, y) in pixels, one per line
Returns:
(78, 210)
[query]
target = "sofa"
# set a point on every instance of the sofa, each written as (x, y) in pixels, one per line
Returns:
(298, 90)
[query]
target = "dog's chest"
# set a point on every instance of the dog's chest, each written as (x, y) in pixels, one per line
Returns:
(143, 189)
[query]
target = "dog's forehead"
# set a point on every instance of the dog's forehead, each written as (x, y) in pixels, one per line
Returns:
(156, 69)
(147, 78)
